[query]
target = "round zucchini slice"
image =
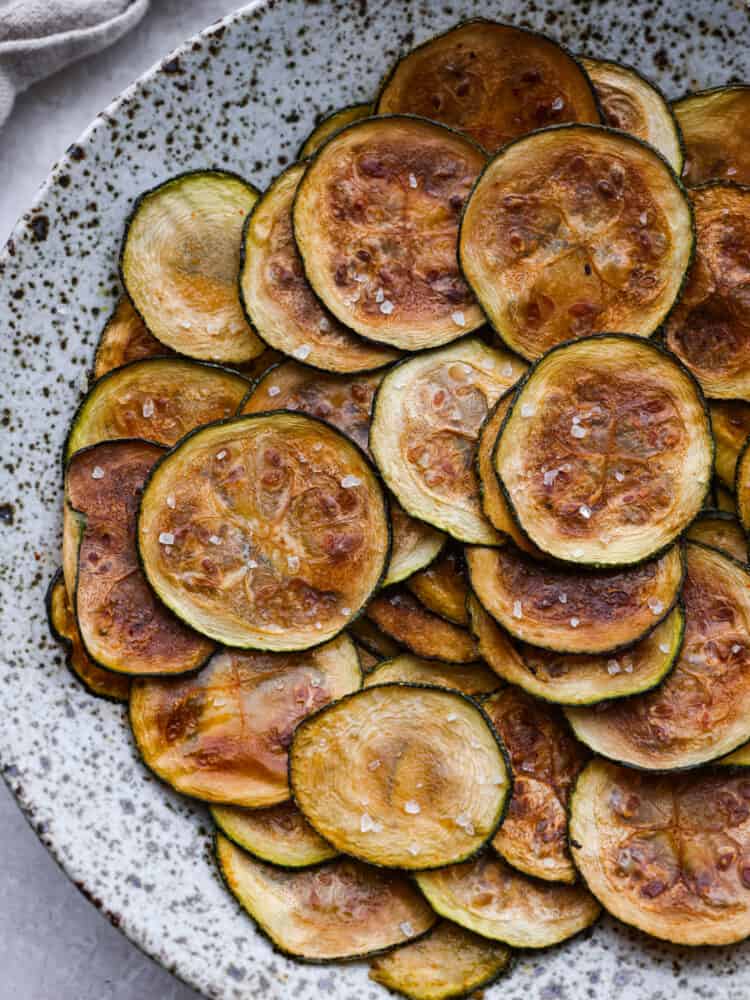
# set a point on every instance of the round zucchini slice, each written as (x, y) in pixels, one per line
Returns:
(702, 711)
(125, 338)
(579, 679)
(401, 775)
(725, 500)
(122, 625)
(667, 855)
(426, 421)
(158, 399)
(279, 835)
(367, 634)
(338, 911)
(490, 898)
(331, 124)
(62, 623)
(268, 531)
(709, 329)
(562, 609)
(573, 230)
(730, 421)
(544, 759)
(223, 735)
(180, 261)
(415, 544)
(492, 81)
(401, 616)
(634, 104)
(606, 454)
(715, 128)
(721, 530)
(277, 298)
(474, 679)
(442, 587)
(376, 222)
(449, 962)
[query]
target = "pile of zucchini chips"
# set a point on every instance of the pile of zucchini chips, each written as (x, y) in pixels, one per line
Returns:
(408, 513)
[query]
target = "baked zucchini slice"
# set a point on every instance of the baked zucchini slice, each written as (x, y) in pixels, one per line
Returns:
(122, 625)
(573, 230)
(267, 531)
(492, 81)
(401, 616)
(401, 775)
(544, 760)
(279, 835)
(579, 679)
(667, 855)
(442, 587)
(636, 105)
(715, 129)
(725, 499)
(702, 711)
(426, 421)
(223, 734)
(606, 454)
(367, 634)
(730, 422)
(449, 962)
(338, 911)
(415, 544)
(721, 530)
(490, 898)
(277, 298)
(158, 399)
(62, 623)
(331, 124)
(180, 261)
(125, 338)
(709, 329)
(376, 222)
(563, 609)
(474, 679)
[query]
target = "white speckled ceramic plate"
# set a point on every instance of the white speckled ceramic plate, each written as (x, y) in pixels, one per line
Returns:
(241, 95)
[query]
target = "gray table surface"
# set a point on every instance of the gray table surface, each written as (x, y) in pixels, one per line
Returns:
(53, 944)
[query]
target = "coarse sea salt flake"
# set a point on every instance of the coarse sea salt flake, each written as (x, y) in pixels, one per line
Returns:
(507, 370)
(613, 667)
(412, 181)
(406, 928)
(171, 502)
(736, 647)
(349, 481)
(386, 307)
(214, 540)
(301, 352)
(577, 431)
(252, 564)
(374, 764)
(563, 598)
(577, 552)
(584, 511)
(379, 295)
(97, 472)
(528, 410)
(293, 563)
(517, 609)
(619, 476)
(148, 408)
(412, 808)
(324, 324)
(655, 606)
(414, 849)
(166, 538)
(663, 647)
(273, 390)
(575, 622)
(458, 318)
(452, 717)
(221, 455)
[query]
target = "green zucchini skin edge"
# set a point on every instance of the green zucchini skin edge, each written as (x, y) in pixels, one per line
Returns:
(329, 117)
(476, 704)
(490, 414)
(662, 353)
(290, 954)
(239, 420)
(709, 91)
(627, 137)
(259, 857)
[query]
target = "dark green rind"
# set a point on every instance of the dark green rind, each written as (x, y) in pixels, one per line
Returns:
(328, 120)
(490, 415)
(260, 857)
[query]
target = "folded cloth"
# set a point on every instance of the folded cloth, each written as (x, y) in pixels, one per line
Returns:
(39, 37)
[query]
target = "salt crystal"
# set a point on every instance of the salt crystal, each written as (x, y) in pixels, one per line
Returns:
(736, 648)
(221, 455)
(171, 502)
(655, 606)
(324, 324)
(252, 564)
(577, 552)
(452, 717)
(576, 419)
(379, 295)
(412, 181)
(558, 104)
(302, 352)
(731, 171)
(550, 476)
(619, 476)
(643, 218)
(273, 390)
(166, 538)
(386, 307)
(577, 431)
(412, 807)
(575, 622)
(628, 666)
(663, 647)
(97, 472)
(563, 598)
(508, 370)
(214, 540)
(348, 481)
(374, 764)
(346, 611)
(458, 318)
(368, 825)
(318, 626)
(293, 563)
(528, 410)
(584, 511)
(148, 408)
(414, 849)
(406, 928)
(517, 610)
(613, 667)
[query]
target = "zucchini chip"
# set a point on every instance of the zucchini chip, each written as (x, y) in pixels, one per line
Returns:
(279, 835)
(267, 531)
(124, 339)
(180, 261)
(725, 499)
(62, 623)
(473, 679)
(730, 421)
(415, 544)
(634, 104)
(562, 609)
(488, 897)
(544, 759)
(426, 421)
(709, 329)
(122, 625)
(401, 775)
(449, 962)
(376, 222)
(579, 680)
(606, 454)
(667, 855)
(573, 230)
(443, 588)
(279, 302)
(492, 81)
(367, 660)
(223, 735)
(157, 399)
(331, 124)
(721, 530)
(342, 910)
(702, 711)
(715, 128)
(367, 634)
(401, 616)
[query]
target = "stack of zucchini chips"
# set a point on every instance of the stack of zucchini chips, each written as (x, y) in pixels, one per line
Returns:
(408, 513)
